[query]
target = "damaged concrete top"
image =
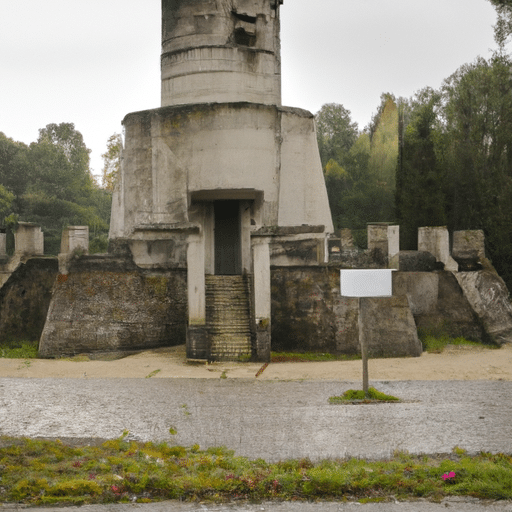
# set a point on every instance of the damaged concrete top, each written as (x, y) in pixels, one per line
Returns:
(228, 50)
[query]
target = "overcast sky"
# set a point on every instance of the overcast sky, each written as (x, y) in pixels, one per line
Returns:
(90, 62)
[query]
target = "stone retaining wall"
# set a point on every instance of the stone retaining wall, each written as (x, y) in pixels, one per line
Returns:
(103, 305)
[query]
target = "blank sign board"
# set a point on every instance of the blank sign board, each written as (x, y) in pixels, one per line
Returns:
(366, 283)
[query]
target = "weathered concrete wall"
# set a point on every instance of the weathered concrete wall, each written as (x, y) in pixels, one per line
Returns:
(176, 156)
(302, 193)
(302, 308)
(421, 288)
(308, 314)
(25, 298)
(451, 314)
(106, 305)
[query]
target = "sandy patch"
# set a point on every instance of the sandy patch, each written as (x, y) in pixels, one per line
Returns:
(455, 363)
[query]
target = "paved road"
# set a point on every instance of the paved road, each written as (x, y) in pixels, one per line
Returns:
(272, 420)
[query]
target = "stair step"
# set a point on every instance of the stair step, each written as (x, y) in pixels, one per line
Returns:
(228, 314)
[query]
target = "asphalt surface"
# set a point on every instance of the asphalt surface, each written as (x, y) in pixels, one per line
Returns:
(267, 419)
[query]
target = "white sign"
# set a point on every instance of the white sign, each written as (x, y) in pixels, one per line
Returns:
(366, 282)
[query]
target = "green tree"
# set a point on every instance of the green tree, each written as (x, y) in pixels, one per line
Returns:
(14, 167)
(384, 143)
(63, 140)
(50, 183)
(336, 133)
(503, 26)
(337, 182)
(421, 184)
(478, 153)
(112, 161)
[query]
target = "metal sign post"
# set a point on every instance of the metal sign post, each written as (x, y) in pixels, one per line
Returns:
(363, 283)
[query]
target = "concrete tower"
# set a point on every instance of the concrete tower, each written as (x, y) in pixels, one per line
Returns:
(222, 51)
(221, 180)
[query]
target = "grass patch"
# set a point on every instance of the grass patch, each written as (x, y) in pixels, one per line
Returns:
(36, 472)
(19, 349)
(373, 395)
(437, 344)
(301, 357)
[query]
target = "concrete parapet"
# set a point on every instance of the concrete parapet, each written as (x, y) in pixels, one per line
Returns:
(385, 238)
(468, 248)
(346, 239)
(436, 240)
(28, 239)
(75, 238)
(3, 244)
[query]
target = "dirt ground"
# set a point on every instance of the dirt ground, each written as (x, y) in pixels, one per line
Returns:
(455, 363)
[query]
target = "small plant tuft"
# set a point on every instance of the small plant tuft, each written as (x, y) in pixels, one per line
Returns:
(359, 395)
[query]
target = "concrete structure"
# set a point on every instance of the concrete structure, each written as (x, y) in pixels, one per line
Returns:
(106, 303)
(28, 239)
(469, 249)
(75, 238)
(221, 180)
(74, 243)
(220, 218)
(385, 238)
(436, 240)
(3, 244)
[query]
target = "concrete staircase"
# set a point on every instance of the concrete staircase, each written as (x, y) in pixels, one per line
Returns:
(228, 316)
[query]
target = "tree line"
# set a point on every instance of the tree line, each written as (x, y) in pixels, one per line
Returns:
(442, 157)
(49, 182)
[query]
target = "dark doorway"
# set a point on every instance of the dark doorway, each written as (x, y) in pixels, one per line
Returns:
(227, 238)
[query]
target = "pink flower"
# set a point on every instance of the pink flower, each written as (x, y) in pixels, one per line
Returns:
(451, 474)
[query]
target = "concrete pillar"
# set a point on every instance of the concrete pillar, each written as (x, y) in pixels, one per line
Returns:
(393, 246)
(197, 336)
(436, 240)
(262, 297)
(75, 238)
(469, 244)
(346, 239)
(3, 243)
(386, 238)
(378, 237)
(28, 239)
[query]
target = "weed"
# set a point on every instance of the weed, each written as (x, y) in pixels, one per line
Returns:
(36, 472)
(353, 394)
(299, 357)
(24, 365)
(436, 344)
(223, 375)
(19, 350)
(152, 374)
